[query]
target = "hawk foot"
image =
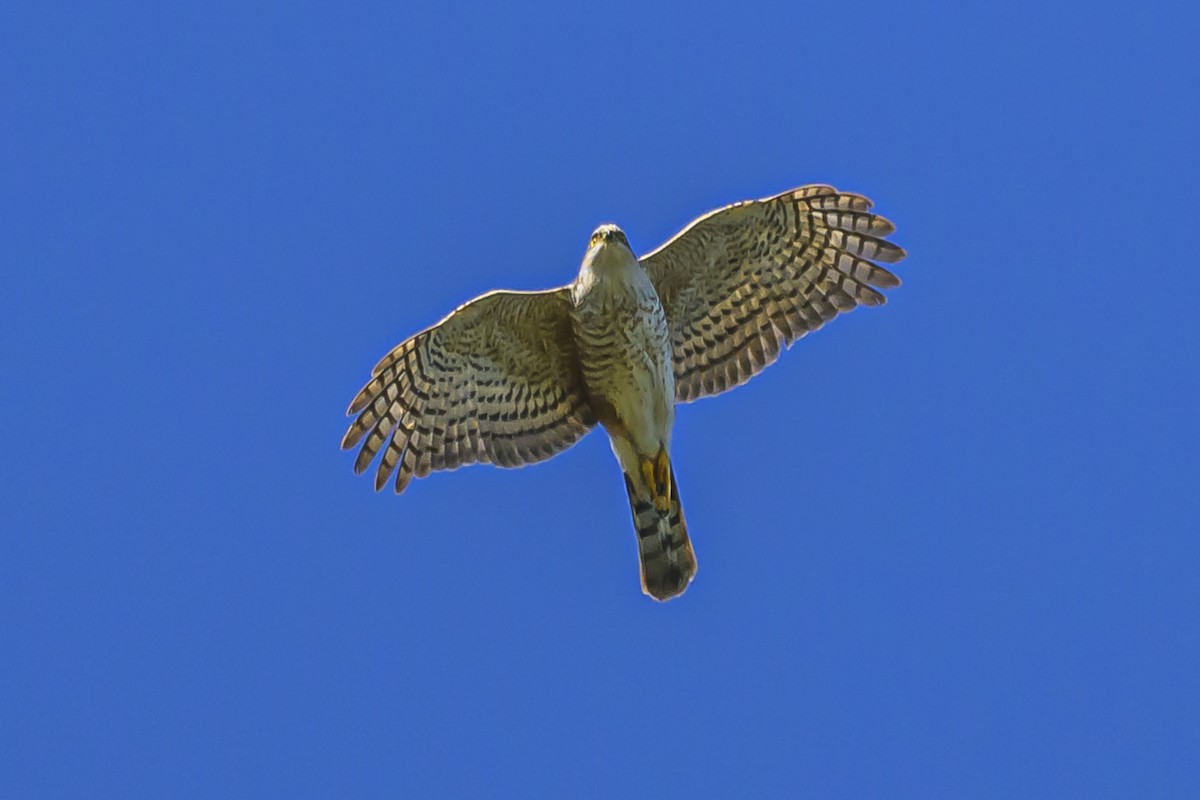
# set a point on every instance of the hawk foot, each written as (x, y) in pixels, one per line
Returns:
(657, 475)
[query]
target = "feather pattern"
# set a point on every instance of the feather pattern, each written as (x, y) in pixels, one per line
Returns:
(497, 381)
(745, 281)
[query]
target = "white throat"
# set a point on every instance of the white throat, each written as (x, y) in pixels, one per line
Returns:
(610, 258)
(607, 263)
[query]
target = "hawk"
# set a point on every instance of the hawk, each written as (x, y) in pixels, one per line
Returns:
(511, 378)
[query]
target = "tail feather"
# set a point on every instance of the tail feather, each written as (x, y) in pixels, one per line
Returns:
(664, 549)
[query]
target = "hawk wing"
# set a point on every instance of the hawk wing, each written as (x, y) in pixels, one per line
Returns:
(744, 280)
(497, 381)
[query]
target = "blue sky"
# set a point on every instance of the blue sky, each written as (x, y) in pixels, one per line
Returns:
(948, 548)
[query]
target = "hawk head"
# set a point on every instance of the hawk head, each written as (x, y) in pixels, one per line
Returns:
(608, 251)
(608, 234)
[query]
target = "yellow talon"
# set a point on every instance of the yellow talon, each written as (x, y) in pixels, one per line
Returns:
(657, 475)
(662, 482)
(648, 477)
(663, 475)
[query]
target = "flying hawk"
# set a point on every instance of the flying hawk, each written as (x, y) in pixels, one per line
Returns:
(511, 378)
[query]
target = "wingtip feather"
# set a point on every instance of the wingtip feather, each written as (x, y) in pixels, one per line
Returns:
(361, 399)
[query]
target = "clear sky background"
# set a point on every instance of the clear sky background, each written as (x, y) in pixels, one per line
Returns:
(948, 548)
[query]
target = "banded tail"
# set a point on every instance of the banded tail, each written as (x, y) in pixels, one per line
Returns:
(667, 561)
